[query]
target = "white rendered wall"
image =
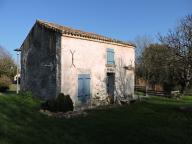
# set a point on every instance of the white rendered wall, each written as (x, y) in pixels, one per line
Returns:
(90, 57)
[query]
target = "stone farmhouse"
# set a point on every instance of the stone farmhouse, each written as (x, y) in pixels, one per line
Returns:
(89, 67)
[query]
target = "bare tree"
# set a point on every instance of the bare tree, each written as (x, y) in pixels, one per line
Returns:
(124, 82)
(101, 97)
(2, 52)
(123, 86)
(7, 64)
(141, 43)
(180, 41)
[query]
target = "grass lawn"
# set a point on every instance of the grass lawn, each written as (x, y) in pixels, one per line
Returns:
(153, 121)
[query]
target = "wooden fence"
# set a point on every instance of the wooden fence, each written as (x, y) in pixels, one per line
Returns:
(155, 92)
(150, 91)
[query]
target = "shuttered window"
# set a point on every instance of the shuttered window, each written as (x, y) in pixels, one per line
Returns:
(110, 56)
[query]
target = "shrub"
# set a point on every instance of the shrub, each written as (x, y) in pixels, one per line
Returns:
(27, 99)
(5, 82)
(62, 103)
(49, 105)
(25, 93)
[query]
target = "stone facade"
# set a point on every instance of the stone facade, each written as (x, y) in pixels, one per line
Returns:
(53, 57)
(40, 62)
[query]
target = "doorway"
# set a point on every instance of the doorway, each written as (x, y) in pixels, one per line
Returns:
(111, 86)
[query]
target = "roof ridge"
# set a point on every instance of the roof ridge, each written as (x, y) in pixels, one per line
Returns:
(71, 31)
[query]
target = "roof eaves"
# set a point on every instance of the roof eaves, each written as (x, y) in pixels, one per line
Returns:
(73, 32)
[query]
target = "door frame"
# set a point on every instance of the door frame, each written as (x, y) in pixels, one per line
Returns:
(112, 99)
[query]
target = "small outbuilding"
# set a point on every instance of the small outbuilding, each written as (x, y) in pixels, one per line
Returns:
(89, 67)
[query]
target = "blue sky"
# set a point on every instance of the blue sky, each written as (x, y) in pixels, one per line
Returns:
(120, 19)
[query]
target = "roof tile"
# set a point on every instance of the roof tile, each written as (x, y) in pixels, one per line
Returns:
(75, 32)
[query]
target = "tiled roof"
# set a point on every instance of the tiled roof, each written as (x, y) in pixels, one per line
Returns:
(79, 33)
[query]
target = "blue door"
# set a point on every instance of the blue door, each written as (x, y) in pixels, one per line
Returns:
(84, 87)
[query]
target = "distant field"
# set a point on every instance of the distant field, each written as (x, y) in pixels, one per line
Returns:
(154, 120)
(13, 87)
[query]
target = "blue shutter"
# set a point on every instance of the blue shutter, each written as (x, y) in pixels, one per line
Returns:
(80, 86)
(110, 56)
(87, 86)
(83, 87)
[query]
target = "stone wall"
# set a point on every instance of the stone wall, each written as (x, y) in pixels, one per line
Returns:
(48, 67)
(40, 62)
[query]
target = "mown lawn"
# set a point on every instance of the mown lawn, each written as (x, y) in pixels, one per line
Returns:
(153, 121)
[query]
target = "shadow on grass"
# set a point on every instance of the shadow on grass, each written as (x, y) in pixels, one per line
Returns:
(143, 122)
(8, 93)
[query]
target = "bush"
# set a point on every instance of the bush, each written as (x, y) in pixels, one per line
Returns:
(5, 82)
(62, 103)
(27, 99)
(25, 94)
(49, 105)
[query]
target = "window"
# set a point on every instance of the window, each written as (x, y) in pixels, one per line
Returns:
(110, 56)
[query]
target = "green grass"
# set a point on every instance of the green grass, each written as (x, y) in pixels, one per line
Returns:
(154, 120)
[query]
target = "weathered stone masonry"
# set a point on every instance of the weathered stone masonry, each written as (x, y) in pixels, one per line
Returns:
(40, 60)
(48, 66)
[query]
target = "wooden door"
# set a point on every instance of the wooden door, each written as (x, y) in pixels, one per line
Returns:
(84, 87)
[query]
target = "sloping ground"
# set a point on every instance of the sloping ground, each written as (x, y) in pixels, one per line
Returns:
(154, 120)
